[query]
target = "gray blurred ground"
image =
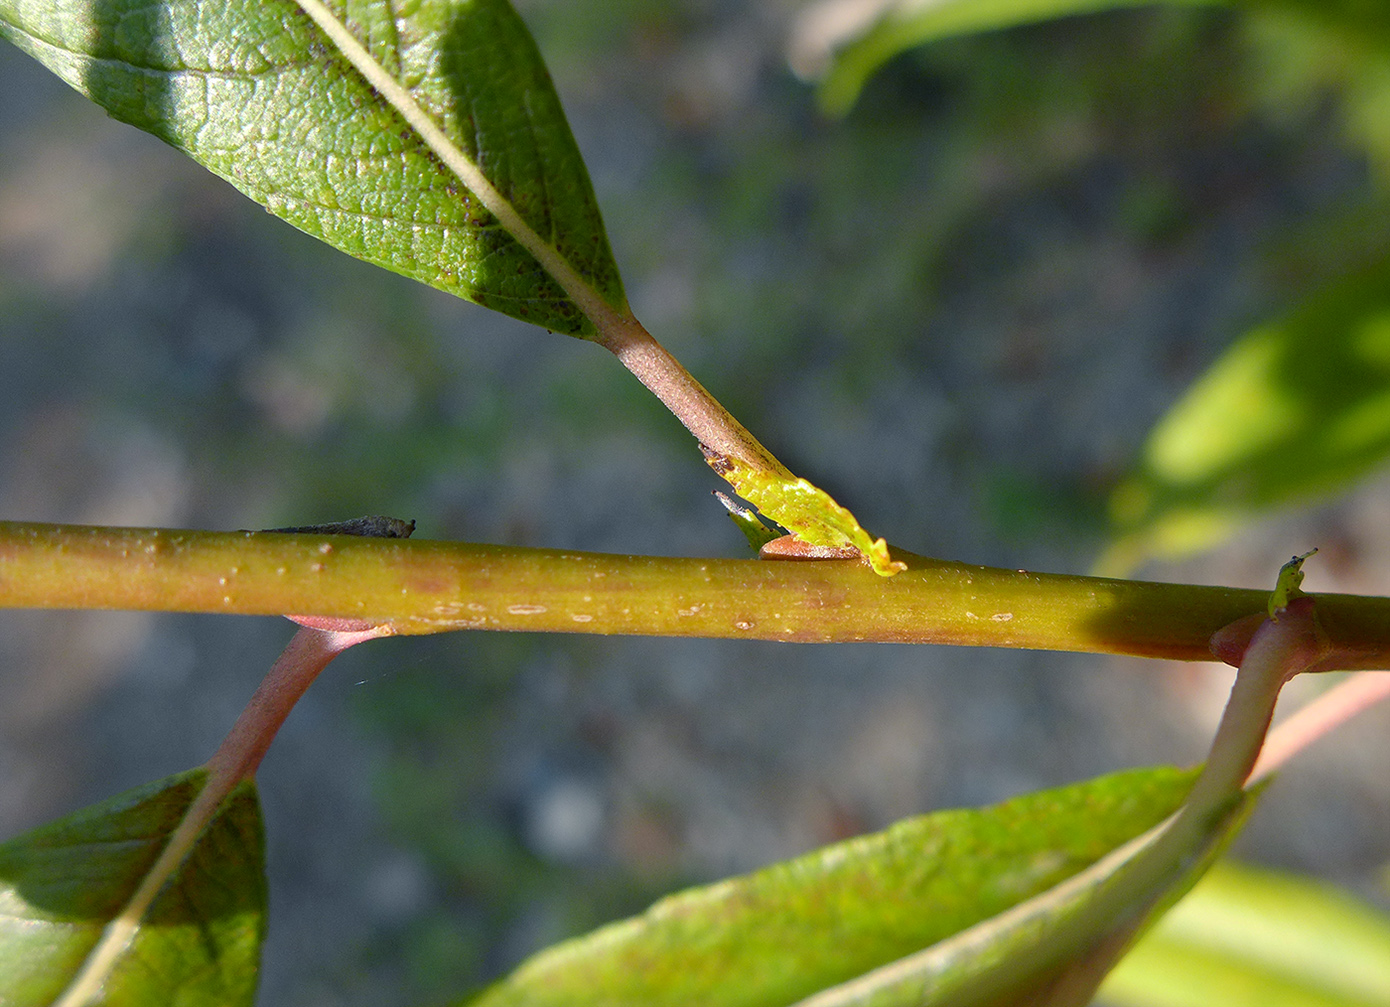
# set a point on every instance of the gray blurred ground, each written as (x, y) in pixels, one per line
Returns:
(962, 326)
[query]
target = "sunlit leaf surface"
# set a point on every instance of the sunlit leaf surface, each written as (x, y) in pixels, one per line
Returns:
(253, 90)
(1294, 409)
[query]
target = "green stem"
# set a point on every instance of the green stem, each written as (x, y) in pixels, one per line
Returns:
(428, 587)
(1285, 645)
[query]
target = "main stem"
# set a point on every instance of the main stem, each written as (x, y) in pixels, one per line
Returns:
(429, 587)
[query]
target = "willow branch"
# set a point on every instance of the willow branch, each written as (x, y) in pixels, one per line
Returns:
(428, 587)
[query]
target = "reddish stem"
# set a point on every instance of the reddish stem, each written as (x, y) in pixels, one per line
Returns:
(720, 435)
(307, 654)
(236, 759)
(1320, 717)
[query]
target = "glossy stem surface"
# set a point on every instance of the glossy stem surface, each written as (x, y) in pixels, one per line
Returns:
(419, 586)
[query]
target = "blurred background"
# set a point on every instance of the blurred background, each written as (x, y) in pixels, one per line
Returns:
(968, 308)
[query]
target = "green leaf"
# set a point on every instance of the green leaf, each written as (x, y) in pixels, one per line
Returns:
(792, 929)
(1312, 54)
(1055, 949)
(1254, 938)
(425, 137)
(842, 47)
(200, 941)
(1293, 410)
(256, 92)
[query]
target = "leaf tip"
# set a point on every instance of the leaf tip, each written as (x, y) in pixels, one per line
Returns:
(882, 562)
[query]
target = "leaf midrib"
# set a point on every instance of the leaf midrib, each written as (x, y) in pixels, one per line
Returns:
(602, 315)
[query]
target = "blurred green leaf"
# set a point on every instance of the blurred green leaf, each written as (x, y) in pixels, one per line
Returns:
(842, 43)
(200, 941)
(1366, 19)
(795, 928)
(1303, 53)
(1254, 938)
(1294, 409)
(252, 90)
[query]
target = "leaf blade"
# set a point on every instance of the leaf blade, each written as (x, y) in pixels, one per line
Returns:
(845, 56)
(60, 884)
(252, 90)
(1293, 410)
(792, 929)
(1052, 950)
(1275, 938)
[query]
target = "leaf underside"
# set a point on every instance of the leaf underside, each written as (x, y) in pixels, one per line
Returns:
(252, 90)
(200, 941)
(798, 927)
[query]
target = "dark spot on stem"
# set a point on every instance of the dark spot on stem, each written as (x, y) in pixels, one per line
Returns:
(717, 460)
(371, 526)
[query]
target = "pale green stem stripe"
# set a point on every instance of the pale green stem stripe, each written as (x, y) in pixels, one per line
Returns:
(419, 586)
